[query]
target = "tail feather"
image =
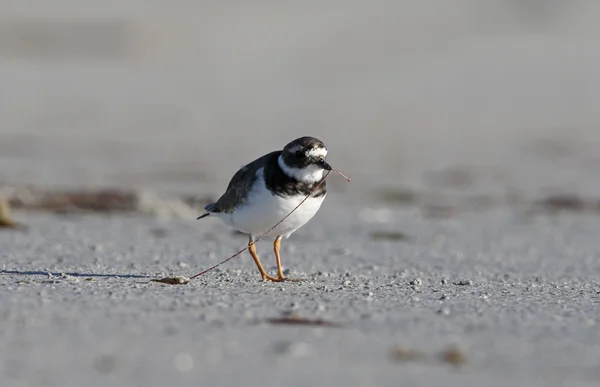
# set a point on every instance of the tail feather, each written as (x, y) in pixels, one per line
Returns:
(208, 210)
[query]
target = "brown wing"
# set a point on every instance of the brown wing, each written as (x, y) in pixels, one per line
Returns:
(240, 185)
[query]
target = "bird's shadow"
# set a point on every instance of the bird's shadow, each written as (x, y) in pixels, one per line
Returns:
(72, 274)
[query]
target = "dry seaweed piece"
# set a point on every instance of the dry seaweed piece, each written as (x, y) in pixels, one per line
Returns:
(567, 202)
(400, 354)
(178, 280)
(389, 236)
(5, 218)
(454, 356)
(294, 319)
(100, 201)
(104, 201)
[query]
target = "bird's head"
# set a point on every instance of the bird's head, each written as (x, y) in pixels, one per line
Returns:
(305, 159)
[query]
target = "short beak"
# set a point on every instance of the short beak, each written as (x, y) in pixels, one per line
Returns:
(324, 164)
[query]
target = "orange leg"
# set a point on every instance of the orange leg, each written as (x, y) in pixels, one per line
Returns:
(276, 247)
(263, 273)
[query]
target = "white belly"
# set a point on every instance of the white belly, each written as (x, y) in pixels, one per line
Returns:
(262, 210)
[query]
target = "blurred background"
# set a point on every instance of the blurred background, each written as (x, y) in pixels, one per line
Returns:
(176, 95)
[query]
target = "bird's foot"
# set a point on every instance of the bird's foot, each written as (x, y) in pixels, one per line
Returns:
(281, 279)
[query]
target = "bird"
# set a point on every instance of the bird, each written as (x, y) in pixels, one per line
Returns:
(264, 191)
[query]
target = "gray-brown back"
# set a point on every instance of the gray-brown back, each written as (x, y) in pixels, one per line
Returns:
(240, 185)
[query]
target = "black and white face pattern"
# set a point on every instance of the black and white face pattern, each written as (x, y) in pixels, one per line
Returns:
(306, 152)
(300, 166)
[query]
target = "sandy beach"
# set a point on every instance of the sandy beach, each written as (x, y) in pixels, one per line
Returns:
(464, 251)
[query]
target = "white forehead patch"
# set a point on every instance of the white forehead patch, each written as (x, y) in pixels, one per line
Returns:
(317, 152)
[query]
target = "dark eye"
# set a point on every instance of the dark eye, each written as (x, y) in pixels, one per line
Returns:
(299, 154)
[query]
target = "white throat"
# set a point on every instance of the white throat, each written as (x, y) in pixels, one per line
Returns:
(310, 174)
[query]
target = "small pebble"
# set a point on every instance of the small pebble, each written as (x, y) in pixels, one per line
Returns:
(178, 280)
(72, 279)
(444, 311)
(464, 283)
(416, 282)
(444, 281)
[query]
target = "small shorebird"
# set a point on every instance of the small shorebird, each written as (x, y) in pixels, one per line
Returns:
(264, 191)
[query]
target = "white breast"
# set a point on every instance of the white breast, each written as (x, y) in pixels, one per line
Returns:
(262, 210)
